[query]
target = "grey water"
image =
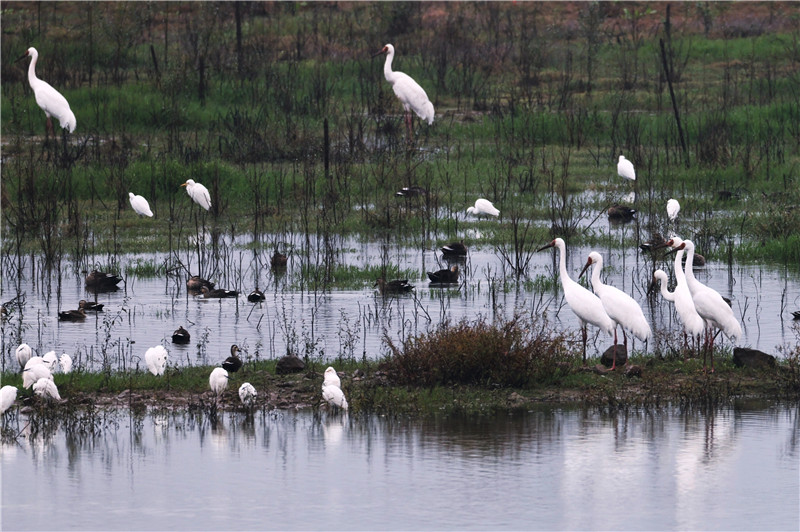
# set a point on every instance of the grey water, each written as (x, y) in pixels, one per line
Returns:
(333, 323)
(733, 468)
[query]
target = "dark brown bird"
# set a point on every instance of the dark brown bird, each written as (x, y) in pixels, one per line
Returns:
(99, 281)
(621, 213)
(393, 287)
(195, 283)
(444, 276)
(278, 261)
(233, 363)
(456, 249)
(90, 305)
(655, 242)
(218, 293)
(181, 336)
(256, 296)
(411, 192)
(72, 315)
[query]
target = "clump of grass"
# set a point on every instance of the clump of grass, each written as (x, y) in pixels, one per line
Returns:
(514, 353)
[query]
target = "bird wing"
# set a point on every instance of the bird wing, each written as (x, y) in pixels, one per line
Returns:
(587, 306)
(484, 205)
(624, 310)
(54, 104)
(413, 96)
(625, 169)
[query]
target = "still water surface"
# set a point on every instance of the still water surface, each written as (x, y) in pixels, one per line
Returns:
(551, 468)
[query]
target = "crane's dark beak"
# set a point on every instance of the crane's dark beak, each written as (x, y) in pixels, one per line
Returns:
(588, 263)
(551, 244)
(383, 51)
(675, 250)
(664, 244)
(23, 56)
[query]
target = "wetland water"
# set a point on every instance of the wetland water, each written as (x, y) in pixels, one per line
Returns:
(734, 468)
(352, 322)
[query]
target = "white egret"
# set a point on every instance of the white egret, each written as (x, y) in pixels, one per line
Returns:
(65, 361)
(46, 389)
(156, 359)
(50, 100)
(218, 380)
(8, 394)
(233, 362)
(140, 205)
(408, 91)
(625, 168)
(619, 306)
(247, 393)
(50, 360)
(483, 206)
(198, 193)
(23, 353)
(332, 378)
(673, 208)
(334, 396)
(35, 371)
(583, 303)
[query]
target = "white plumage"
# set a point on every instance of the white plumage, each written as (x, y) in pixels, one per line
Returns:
(625, 168)
(156, 359)
(619, 306)
(247, 393)
(583, 303)
(50, 360)
(332, 378)
(46, 389)
(334, 396)
(483, 206)
(408, 91)
(684, 304)
(140, 205)
(8, 394)
(673, 208)
(50, 100)
(218, 380)
(23, 353)
(198, 193)
(65, 361)
(34, 370)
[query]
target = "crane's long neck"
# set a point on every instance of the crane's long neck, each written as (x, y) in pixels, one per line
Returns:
(596, 267)
(665, 293)
(32, 79)
(679, 275)
(688, 268)
(387, 67)
(562, 264)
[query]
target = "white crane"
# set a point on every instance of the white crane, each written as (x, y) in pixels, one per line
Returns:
(483, 207)
(620, 307)
(50, 100)
(625, 168)
(692, 322)
(156, 360)
(198, 193)
(583, 303)
(408, 91)
(140, 205)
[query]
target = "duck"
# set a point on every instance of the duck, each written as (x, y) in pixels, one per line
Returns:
(233, 363)
(796, 314)
(655, 242)
(72, 315)
(90, 305)
(454, 249)
(97, 280)
(218, 293)
(393, 287)
(195, 283)
(181, 336)
(445, 275)
(621, 213)
(256, 296)
(278, 261)
(411, 192)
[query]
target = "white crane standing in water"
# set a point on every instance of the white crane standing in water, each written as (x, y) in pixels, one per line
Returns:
(409, 92)
(50, 100)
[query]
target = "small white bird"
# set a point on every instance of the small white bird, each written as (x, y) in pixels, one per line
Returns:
(218, 380)
(46, 389)
(334, 396)
(247, 393)
(198, 193)
(23, 353)
(65, 361)
(34, 370)
(50, 100)
(50, 360)
(625, 168)
(483, 206)
(8, 394)
(156, 359)
(408, 91)
(619, 306)
(673, 208)
(140, 205)
(332, 378)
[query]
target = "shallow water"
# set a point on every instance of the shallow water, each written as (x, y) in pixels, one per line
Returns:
(552, 468)
(334, 323)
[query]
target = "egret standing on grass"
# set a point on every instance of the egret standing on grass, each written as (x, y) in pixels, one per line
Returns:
(619, 306)
(140, 205)
(408, 91)
(23, 353)
(50, 100)
(218, 380)
(198, 193)
(625, 168)
(483, 207)
(46, 389)
(8, 394)
(65, 361)
(331, 378)
(156, 360)
(583, 303)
